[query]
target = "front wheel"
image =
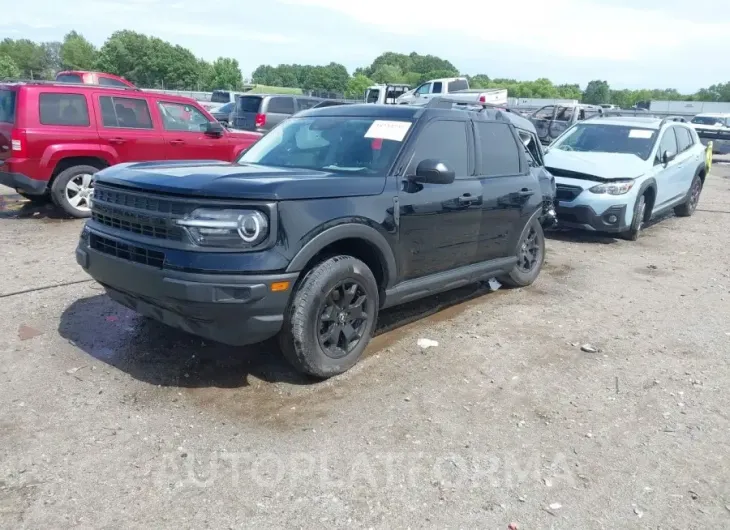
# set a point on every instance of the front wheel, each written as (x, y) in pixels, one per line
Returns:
(530, 256)
(331, 317)
(637, 222)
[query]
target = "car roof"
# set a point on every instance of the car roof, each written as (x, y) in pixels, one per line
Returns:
(52, 86)
(407, 112)
(713, 115)
(645, 122)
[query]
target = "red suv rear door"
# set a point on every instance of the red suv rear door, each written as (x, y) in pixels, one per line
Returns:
(127, 127)
(185, 137)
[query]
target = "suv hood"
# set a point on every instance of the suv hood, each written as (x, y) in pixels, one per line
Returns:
(208, 178)
(600, 166)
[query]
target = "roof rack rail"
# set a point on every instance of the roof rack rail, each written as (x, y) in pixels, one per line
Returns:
(62, 83)
(680, 119)
(448, 103)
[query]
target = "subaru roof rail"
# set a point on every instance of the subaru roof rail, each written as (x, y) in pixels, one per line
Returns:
(673, 118)
(62, 83)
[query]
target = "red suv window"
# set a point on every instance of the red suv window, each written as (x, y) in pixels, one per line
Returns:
(64, 109)
(129, 113)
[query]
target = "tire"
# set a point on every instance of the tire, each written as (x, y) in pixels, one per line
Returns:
(637, 222)
(530, 256)
(76, 175)
(688, 207)
(37, 200)
(313, 337)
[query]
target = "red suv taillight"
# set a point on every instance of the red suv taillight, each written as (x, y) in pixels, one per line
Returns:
(18, 142)
(260, 120)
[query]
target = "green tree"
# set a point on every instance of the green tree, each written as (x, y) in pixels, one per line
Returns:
(53, 56)
(357, 85)
(388, 73)
(597, 92)
(28, 56)
(8, 69)
(77, 53)
(226, 74)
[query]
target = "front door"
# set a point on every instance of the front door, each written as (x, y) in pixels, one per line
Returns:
(542, 119)
(564, 118)
(439, 223)
(185, 137)
(510, 191)
(128, 129)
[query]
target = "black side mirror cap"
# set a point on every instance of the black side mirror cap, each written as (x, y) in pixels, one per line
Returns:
(434, 171)
(214, 128)
(668, 156)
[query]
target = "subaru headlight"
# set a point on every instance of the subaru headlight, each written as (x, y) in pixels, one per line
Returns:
(619, 187)
(226, 228)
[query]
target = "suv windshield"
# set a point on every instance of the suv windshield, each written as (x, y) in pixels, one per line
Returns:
(7, 106)
(708, 120)
(340, 144)
(600, 138)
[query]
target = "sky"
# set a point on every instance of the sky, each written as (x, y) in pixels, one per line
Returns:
(678, 44)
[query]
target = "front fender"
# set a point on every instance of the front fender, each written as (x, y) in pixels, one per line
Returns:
(347, 231)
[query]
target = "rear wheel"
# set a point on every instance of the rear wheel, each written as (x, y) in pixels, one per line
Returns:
(689, 206)
(530, 257)
(331, 317)
(72, 188)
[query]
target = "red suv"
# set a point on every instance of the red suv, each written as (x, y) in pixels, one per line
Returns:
(54, 137)
(93, 78)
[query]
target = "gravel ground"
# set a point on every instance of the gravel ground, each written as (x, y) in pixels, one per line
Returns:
(111, 421)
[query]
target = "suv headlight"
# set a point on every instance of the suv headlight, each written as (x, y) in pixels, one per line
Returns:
(619, 187)
(226, 228)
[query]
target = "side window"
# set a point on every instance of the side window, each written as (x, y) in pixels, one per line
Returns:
(459, 84)
(425, 88)
(281, 105)
(564, 114)
(545, 113)
(445, 141)
(108, 81)
(500, 152)
(64, 109)
(125, 113)
(532, 149)
(306, 103)
(437, 87)
(684, 138)
(668, 143)
(181, 117)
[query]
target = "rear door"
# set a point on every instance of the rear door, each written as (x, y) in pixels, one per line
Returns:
(185, 137)
(247, 110)
(127, 129)
(276, 110)
(511, 193)
(8, 101)
(688, 159)
(440, 223)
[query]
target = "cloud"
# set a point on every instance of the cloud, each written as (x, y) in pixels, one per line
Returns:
(566, 28)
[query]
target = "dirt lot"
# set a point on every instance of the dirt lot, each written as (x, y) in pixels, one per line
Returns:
(111, 421)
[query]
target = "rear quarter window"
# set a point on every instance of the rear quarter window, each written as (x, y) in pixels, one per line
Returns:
(7, 106)
(63, 109)
(220, 96)
(459, 84)
(69, 78)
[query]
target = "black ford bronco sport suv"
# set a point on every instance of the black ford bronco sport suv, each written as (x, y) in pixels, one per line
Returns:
(335, 214)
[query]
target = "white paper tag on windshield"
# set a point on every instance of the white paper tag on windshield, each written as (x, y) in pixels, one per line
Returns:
(640, 133)
(388, 130)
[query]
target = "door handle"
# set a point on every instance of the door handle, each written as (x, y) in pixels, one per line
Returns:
(466, 199)
(526, 191)
(177, 142)
(117, 140)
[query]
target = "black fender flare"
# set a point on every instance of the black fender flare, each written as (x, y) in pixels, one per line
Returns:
(648, 183)
(536, 215)
(348, 231)
(701, 168)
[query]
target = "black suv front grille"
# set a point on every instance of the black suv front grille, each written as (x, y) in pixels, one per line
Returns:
(563, 192)
(140, 213)
(127, 252)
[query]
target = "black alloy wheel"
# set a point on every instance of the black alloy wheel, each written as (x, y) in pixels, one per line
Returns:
(343, 318)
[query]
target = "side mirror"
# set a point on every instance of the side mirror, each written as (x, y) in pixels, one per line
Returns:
(214, 128)
(433, 171)
(668, 156)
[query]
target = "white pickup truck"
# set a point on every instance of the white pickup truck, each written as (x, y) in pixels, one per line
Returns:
(453, 88)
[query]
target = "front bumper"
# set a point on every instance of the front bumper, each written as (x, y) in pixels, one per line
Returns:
(21, 182)
(233, 309)
(586, 218)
